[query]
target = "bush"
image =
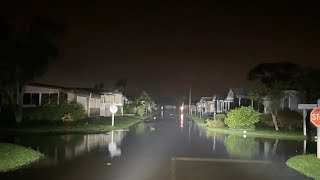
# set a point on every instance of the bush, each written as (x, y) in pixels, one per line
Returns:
(140, 111)
(265, 121)
(242, 118)
(290, 120)
(55, 113)
(215, 123)
(220, 117)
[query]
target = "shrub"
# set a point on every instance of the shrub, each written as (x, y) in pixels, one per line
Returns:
(265, 120)
(54, 112)
(140, 111)
(289, 120)
(242, 118)
(241, 147)
(215, 123)
(220, 117)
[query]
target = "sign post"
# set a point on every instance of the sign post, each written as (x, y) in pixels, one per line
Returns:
(306, 107)
(113, 110)
(315, 119)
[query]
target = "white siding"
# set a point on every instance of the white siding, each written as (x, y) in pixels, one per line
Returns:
(83, 101)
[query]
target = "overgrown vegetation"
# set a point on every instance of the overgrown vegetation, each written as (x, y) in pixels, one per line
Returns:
(242, 118)
(308, 165)
(261, 132)
(14, 156)
(140, 111)
(220, 117)
(54, 113)
(289, 120)
(215, 123)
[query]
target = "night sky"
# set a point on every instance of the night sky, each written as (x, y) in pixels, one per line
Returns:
(163, 46)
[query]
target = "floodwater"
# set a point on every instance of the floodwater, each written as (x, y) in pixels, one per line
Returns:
(169, 147)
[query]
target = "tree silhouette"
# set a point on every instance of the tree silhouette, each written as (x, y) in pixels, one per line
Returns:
(273, 79)
(121, 85)
(24, 57)
(270, 73)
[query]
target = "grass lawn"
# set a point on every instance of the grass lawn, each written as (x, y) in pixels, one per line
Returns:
(308, 165)
(14, 156)
(263, 133)
(92, 125)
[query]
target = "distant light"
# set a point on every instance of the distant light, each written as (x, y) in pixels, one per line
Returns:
(109, 164)
(244, 131)
(244, 136)
(154, 117)
(181, 121)
(181, 108)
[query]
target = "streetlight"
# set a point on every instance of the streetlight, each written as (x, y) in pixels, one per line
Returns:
(181, 108)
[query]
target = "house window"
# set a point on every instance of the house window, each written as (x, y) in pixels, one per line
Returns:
(63, 98)
(27, 99)
(35, 99)
(45, 99)
(54, 98)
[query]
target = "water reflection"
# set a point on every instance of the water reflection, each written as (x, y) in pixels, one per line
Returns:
(112, 146)
(238, 146)
(68, 147)
(256, 148)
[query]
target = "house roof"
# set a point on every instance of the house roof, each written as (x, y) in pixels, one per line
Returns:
(237, 93)
(79, 91)
(205, 99)
(48, 86)
(217, 97)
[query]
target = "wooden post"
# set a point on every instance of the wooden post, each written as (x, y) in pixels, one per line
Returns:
(40, 98)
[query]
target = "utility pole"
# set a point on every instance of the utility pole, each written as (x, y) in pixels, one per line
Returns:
(190, 110)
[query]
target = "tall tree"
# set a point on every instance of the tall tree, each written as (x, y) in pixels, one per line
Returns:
(121, 85)
(25, 57)
(308, 85)
(270, 97)
(147, 100)
(273, 79)
(98, 87)
(270, 73)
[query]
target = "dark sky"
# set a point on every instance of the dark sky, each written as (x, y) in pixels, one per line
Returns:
(163, 46)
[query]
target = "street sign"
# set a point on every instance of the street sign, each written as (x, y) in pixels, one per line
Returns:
(307, 106)
(315, 117)
(113, 108)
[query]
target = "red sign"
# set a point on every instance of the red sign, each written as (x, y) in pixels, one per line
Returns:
(315, 117)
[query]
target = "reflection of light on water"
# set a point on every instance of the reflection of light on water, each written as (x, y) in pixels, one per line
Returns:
(113, 149)
(181, 120)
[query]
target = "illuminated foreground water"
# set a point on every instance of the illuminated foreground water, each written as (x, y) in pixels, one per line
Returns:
(167, 147)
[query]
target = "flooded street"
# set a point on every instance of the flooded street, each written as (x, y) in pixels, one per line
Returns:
(169, 147)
